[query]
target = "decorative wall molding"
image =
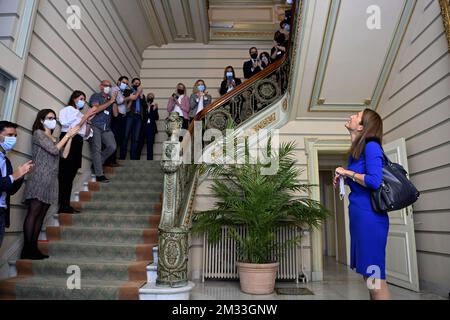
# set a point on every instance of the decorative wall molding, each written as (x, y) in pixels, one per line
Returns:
(319, 102)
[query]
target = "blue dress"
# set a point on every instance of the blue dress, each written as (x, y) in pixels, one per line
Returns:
(368, 229)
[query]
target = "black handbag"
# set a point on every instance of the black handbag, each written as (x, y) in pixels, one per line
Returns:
(396, 192)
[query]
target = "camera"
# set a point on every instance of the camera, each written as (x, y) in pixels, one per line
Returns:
(176, 96)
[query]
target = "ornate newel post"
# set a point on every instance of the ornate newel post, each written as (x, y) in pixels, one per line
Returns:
(170, 163)
(173, 240)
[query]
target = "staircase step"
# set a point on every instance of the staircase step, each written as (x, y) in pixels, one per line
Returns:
(137, 176)
(112, 207)
(107, 220)
(48, 288)
(140, 163)
(108, 235)
(127, 195)
(90, 269)
(108, 251)
(127, 185)
(140, 169)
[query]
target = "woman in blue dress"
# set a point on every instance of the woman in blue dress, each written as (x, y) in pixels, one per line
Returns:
(368, 229)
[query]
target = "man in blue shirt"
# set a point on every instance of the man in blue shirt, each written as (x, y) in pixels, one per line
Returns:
(10, 182)
(101, 124)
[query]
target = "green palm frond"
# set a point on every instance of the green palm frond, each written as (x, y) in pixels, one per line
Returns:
(260, 203)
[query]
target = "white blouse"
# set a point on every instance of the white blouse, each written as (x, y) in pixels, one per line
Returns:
(70, 117)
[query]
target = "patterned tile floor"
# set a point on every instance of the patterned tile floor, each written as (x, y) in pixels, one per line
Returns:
(340, 283)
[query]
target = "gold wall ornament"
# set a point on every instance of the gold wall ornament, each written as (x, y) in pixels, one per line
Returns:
(445, 12)
(267, 121)
(368, 102)
(285, 105)
(321, 102)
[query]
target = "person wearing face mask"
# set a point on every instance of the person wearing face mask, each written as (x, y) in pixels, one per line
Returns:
(200, 99)
(229, 81)
(119, 122)
(265, 59)
(125, 95)
(179, 103)
(135, 116)
(150, 129)
(70, 117)
(253, 66)
(280, 47)
(10, 182)
(42, 185)
(105, 104)
(285, 28)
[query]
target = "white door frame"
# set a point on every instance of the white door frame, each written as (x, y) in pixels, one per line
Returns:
(314, 146)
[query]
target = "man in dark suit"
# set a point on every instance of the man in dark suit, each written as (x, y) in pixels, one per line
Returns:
(253, 66)
(149, 126)
(10, 182)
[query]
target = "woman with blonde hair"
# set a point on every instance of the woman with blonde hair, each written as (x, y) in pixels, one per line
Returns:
(200, 99)
(368, 229)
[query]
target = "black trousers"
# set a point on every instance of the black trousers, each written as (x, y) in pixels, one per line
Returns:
(118, 126)
(68, 169)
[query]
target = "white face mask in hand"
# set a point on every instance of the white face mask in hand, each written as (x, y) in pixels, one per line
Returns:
(341, 188)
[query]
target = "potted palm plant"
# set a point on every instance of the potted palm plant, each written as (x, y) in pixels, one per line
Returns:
(261, 204)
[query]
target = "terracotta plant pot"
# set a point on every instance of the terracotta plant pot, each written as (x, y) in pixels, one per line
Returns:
(257, 278)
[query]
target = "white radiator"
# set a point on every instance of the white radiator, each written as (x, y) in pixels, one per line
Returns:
(219, 259)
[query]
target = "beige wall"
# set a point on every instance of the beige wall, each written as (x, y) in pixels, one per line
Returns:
(10, 12)
(416, 106)
(60, 61)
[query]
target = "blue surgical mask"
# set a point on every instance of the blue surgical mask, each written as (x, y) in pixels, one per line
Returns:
(9, 143)
(50, 124)
(123, 86)
(229, 75)
(80, 104)
(201, 88)
(287, 28)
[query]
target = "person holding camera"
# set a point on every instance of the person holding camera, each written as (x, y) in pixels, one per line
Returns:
(199, 100)
(179, 103)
